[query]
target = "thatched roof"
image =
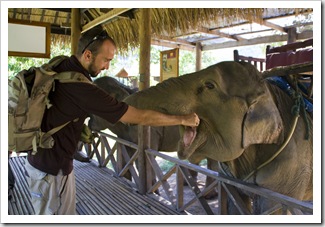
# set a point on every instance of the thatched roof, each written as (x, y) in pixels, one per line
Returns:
(168, 25)
(174, 22)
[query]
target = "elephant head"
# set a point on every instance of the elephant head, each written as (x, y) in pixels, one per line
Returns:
(233, 102)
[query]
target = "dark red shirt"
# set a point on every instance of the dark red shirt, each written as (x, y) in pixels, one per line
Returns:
(71, 101)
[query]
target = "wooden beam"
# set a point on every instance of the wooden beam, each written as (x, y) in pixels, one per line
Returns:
(265, 22)
(274, 26)
(104, 18)
(55, 29)
(172, 40)
(299, 24)
(260, 40)
(216, 32)
(237, 35)
(56, 17)
(66, 10)
(42, 15)
(172, 45)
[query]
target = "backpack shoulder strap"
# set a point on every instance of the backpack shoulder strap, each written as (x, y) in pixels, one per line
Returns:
(57, 60)
(71, 77)
(47, 68)
(63, 77)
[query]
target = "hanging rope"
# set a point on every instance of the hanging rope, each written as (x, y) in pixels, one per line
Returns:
(279, 151)
(300, 105)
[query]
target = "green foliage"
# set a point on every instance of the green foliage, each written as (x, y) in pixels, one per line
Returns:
(186, 62)
(208, 58)
(16, 64)
(165, 165)
(154, 55)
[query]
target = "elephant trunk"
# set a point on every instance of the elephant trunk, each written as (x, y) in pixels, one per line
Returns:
(168, 97)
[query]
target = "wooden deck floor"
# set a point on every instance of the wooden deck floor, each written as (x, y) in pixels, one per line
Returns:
(99, 192)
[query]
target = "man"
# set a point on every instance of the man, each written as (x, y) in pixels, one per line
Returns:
(50, 171)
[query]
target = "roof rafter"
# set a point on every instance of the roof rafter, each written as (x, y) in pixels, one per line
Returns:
(216, 32)
(104, 18)
(164, 43)
(259, 40)
(271, 25)
(173, 40)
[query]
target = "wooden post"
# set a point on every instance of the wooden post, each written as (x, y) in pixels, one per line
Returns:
(236, 55)
(144, 71)
(292, 35)
(198, 50)
(75, 29)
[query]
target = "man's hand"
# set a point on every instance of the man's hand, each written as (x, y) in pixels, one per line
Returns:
(191, 120)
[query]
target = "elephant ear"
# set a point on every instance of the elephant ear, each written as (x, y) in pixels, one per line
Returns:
(263, 123)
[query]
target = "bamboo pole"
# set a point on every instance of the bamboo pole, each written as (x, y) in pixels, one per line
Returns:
(75, 29)
(198, 51)
(144, 70)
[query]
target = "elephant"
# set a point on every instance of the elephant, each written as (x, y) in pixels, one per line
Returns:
(244, 121)
(161, 138)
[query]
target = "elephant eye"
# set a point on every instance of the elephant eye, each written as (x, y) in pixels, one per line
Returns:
(209, 85)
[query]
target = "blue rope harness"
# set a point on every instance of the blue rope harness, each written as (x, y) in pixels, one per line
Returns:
(300, 101)
(282, 83)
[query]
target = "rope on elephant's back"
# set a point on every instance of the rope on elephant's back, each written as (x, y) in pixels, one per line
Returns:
(295, 110)
(278, 152)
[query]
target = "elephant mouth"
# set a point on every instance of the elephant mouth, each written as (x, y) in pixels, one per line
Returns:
(189, 136)
(190, 141)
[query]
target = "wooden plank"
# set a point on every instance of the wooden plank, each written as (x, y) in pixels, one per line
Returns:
(21, 192)
(126, 196)
(107, 201)
(99, 192)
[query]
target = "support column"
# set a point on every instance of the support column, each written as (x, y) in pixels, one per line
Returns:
(198, 51)
(292, 35)
(144, 71)
(75, 29)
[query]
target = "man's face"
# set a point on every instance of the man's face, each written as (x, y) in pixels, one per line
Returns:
(103, 59)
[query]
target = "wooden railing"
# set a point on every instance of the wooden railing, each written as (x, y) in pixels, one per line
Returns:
(259, 63)
(226, 186)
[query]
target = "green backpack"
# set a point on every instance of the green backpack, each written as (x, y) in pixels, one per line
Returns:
(28, 98)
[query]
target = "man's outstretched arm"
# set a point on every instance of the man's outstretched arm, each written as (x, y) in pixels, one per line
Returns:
(154, 118)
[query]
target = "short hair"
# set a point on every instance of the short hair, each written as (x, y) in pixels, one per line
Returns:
(92, 40)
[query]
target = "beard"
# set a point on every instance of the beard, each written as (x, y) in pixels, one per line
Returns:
(92, 69)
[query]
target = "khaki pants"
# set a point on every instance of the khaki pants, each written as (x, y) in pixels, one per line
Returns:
(51, 194)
